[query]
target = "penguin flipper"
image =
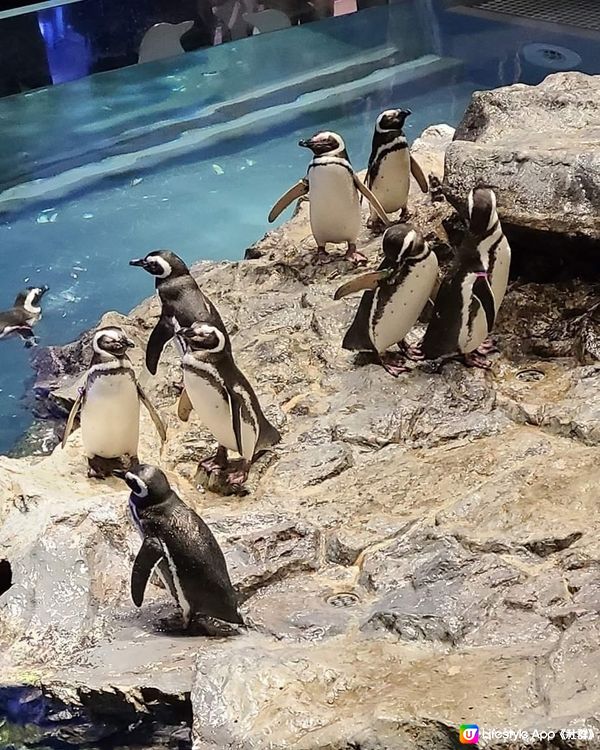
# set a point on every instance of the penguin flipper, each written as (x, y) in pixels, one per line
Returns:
(418, 174)
(373, 200)
(235, 407)
(184, 406)
(163, 332)
(148, 557)
(72, 415)
(295, 192)
(483, 291)
(158, 423)
(369, 280)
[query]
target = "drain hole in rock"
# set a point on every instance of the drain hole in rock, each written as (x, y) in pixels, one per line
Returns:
(531, 375)
(343, 599)
(5, 576)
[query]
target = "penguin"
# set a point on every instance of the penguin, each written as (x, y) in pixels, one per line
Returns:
(23, 315)
(395, 297)
(495, 251)
(464, 311)
(223, 399)
(176, 538)
(334, 191)
(183, 302)
(391, 164)
(110, 405)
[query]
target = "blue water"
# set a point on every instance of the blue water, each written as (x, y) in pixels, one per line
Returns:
(207, 200)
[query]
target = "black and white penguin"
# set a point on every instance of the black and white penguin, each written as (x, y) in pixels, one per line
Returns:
(484, 224)
(223, 399)
(334, 191)
(464, 310)
(396, 296)
(23, 315)
(110, 405)
(177, 540)
(183, 302)
(391, 164)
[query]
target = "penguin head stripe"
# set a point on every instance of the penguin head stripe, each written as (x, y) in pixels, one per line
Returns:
(162, 264)
(137, 485)
(391, 120)
(203, 337)
(325, 142)
(401, 242)
(32, 296)
(408, 240)
(29, 299)
(111, 341)
(482, 210)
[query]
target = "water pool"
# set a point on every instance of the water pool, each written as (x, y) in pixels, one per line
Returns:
(190, 154)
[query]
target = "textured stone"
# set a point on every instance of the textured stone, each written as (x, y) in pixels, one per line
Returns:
(416, 553)
(513, 139)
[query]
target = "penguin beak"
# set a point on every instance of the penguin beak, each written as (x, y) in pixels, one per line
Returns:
(44, 289)
(405, 112)
(130, 344)
(141, 262)
(119, 473)
(183, 333)
(306, 143)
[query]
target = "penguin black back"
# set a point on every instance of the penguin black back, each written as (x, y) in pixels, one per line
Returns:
(175, 533)
(463, 292)
(183, 302)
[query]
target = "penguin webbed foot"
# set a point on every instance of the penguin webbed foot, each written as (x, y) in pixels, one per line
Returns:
(238, 475)
(204, 625)
(414, 352)
(393, 363)
(356, 258)
(488, 347)
(321, 256)
(218, 462)
(474, 359)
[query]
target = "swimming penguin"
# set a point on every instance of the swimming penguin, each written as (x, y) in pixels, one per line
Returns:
(397, 293)
(23, 315)
(223, 399)
(464, 310)
(390, 164)
(494, 249)
(177, 538)
(183, 303)
(110, 405)
(334, 191)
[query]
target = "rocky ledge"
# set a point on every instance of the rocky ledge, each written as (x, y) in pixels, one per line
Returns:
(417, 553)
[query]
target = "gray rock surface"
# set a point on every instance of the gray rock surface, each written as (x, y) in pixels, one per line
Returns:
(539, 148)
(417, 553)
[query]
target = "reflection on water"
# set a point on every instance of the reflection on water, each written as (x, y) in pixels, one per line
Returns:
(82, 37)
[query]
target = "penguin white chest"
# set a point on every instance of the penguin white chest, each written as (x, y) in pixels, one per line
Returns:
(473, 332)
(110, 417)
(390, 323)
(334, 204)
(210, 404)
(500, 271)
(392, 182)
